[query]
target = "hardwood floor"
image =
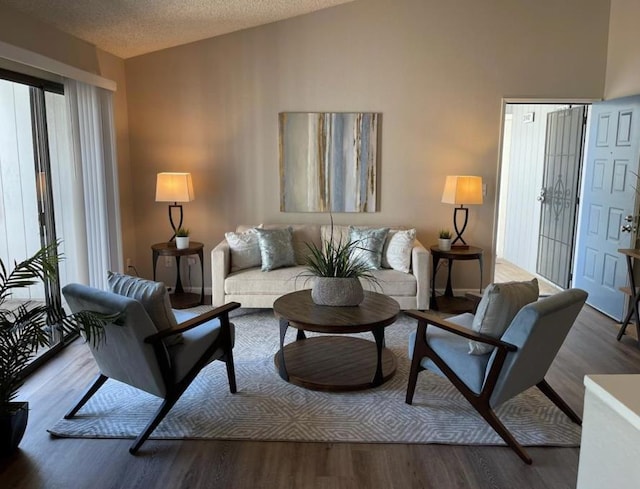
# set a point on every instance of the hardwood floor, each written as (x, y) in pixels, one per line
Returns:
(45, 462)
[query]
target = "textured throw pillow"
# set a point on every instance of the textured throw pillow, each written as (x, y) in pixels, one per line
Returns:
(154, 298)
(276, 248)
(245, 249)
(396, 253)
(499, 305)
(368, 245)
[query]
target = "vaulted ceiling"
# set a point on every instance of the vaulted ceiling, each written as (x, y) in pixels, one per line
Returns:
(130, 28)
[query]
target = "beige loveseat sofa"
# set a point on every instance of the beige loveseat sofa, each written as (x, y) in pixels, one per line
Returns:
(254, 288)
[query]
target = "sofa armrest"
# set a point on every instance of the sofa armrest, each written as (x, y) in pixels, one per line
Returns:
(420, 269)
(220, 268)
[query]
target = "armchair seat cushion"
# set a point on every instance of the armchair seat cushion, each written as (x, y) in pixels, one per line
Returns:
(453, 350)
(194, 343)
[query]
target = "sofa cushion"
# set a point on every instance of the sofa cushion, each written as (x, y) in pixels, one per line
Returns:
(497, 308)
(152, 295)
(392, 282)
(302, 235)
(368, 244)
(339, 235)
(396, 252)
(244, 248)
(276, 248)
(279, 281)
(285, 280)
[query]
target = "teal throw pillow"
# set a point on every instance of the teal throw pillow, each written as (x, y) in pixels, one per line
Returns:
(368, 244)
(276, 248)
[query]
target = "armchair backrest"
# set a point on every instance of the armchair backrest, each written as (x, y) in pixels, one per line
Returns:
(122, 355)
(538, 330)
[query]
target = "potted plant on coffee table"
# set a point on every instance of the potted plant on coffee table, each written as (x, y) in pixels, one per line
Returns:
(26, 328)
(337, 274)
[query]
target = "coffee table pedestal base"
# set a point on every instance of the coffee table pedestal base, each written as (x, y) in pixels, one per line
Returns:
(334, 363)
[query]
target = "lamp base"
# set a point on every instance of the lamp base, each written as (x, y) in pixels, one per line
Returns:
(459, 246)
(465, 214)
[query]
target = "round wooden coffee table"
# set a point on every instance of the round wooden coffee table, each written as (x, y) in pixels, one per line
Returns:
(335, 363)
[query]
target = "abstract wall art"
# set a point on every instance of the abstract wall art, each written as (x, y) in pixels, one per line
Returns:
(328, 161)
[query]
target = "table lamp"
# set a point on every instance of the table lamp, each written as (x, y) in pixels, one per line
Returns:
(174, 187)
(461, 190)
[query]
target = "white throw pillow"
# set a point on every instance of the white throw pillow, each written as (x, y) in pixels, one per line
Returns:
(499, 305)
(397, 250)
(245, 250)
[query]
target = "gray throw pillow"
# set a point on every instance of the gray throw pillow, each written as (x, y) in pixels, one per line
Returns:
(368, 245)
(244, 248)
(276, 248)
(154, 298)
(499, 305)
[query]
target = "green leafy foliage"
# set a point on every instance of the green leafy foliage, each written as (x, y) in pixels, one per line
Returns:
(182, 232)
(445, 234)
(27, 327)
(336, 260)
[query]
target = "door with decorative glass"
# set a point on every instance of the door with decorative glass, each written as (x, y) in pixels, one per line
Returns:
(559, 194)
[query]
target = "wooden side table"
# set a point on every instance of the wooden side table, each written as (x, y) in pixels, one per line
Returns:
(448, 302)
(181, 299)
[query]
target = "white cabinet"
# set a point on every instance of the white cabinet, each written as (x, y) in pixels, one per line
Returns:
(610, 448)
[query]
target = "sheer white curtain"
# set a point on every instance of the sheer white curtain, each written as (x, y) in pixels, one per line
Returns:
(93, 196)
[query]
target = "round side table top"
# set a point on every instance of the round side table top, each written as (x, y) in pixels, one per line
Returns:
(470, 253)
(169, 249)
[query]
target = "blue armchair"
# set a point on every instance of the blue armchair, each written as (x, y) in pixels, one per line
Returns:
(518, 360)
(137, 353)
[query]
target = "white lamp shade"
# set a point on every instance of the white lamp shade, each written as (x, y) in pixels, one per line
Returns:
(462, 190)
(174, 187)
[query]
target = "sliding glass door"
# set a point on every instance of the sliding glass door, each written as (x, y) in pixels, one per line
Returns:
(33, 150)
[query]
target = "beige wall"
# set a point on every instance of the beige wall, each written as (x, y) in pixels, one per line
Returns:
(436, 70)
(28, 33)
(623, 60)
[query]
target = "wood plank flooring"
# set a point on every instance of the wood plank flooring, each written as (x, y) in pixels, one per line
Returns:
(44, 462)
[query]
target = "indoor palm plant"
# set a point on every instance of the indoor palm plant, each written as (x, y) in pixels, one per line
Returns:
(337, 274)
(26, 328)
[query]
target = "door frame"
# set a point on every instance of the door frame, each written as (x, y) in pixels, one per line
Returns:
(499, 183)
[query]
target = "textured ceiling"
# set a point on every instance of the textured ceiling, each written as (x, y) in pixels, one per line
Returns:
(129, 28)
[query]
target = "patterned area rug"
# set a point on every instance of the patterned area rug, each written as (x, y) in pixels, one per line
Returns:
(267, 408)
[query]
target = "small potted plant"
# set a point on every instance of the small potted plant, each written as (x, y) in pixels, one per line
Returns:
(337, 274)
(444, 241)
(26, 328)
(182, 238)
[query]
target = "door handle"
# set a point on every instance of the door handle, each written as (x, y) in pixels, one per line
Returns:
(627, 228)
(543, 195)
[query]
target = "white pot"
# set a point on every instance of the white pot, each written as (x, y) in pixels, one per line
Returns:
(444, 244)
(182, 242)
